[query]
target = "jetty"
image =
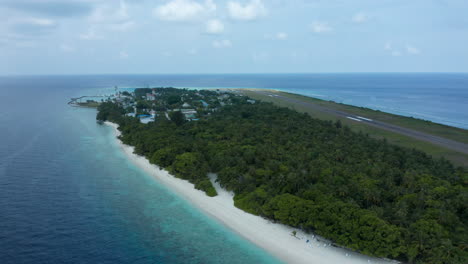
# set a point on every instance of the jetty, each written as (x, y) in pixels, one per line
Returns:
(77, 101)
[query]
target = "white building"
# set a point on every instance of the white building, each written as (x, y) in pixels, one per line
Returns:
(189, 113)
(150, 97)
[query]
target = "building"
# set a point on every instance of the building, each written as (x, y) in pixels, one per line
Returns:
(150, 97)
(205, 104)
(189, 113)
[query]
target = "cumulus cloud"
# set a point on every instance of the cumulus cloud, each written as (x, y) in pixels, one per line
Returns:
(43, 22)
(360, 18)
(184, 10)
(412, 50)
(110, 13)
(23, 32)
(320, 27)
(225, 43)
(214, 26)
(110, 17)
(106, 17)
(250, 11)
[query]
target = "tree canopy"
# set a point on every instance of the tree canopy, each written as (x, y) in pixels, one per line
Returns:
(362, 193)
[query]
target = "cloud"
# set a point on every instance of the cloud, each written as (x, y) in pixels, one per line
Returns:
(388, 46)
(110, 14)
(34, 26)
(16, 40)
(91, 34)
(43, 22)
(393, 51)
(183, 10)
(57, 8)
(24, 32)
(320, 27)
(106, 18)
(123, 27)
(396, 53)
(412, 50)
(225, 43)
(281, 36)
(277, 36)
(360, 18)
(123, 55)
(214, 26)
(250, 11)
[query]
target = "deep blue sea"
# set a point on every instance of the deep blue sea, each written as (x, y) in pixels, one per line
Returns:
(68, 195)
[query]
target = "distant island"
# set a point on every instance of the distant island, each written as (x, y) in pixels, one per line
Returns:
(360, 192)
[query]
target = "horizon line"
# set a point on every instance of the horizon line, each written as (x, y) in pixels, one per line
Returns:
(225, 73)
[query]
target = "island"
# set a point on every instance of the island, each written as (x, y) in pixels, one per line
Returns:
(322, 177)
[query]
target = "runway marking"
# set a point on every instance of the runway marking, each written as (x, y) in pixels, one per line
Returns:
(363, 118)
(355, 119)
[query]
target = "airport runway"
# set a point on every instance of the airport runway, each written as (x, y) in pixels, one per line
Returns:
(447, 143)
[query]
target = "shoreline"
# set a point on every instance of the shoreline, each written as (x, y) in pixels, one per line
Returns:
(274, 238)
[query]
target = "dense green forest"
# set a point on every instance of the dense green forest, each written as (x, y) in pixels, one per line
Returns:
(362, 193)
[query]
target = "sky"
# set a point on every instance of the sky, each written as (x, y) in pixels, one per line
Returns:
(234, 36)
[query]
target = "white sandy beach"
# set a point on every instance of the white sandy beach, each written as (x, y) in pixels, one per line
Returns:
(274, 238)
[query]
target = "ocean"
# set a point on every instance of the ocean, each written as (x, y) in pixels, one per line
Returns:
(437, 97)
(69, 195)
